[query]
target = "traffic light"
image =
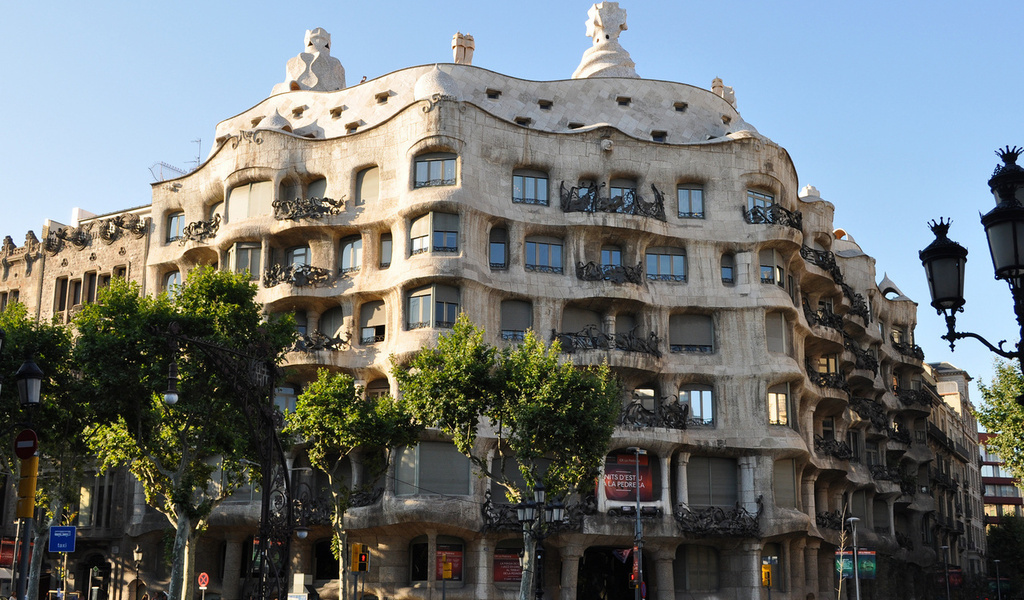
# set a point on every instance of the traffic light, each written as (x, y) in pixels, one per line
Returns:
(634, 580)
(360, 558)
(27, 487)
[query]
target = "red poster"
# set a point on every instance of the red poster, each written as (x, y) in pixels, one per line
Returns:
(620, 483)
(6, 552)
(507, 567)
(453, 554)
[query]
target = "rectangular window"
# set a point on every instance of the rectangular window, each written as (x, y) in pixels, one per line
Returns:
(90, 287)
(419, 309)
(76, 292)
(175, 226)
(385, 250)
(772, 269)
(666, 264)
(372, 322)
(446, 306)
(446, 232)
(250, 200)
(247, 257)
(777, 331)
(498, 251)
(759, 200)
(784, 482)
(778, 404)
(432, 468)
(611, 256)
(61, 294)
(728, 266)
(701, 404)
(691, 333)
(367, 186)
(516, 318)
(419, 235)
(435, 170)
(351, 254)
(711, 481)
(691, 202)
(443, 299)
(544, 255)
(530, 189)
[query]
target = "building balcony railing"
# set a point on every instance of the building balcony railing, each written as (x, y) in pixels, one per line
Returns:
(592, 271)
(886, 473)
(905, 541)
(829, 380)
(297, 275)
(823, 317)
(905, 348)
(715, 521)
(872, 411)
(863, 359)
(588, 198)
(830, 519)
(592, 338)
(898, 435)
(199, 231)
(910, 397)
(774, 215)
(670, 415)
(831, 447)
(307, 208)
(315, 341)
(501, 516)
(823, 259)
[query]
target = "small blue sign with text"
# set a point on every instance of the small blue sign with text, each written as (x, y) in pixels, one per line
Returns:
(62, 539)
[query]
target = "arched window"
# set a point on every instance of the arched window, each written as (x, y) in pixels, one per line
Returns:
(250, 200)
(175, 226)
(296, 256)
(172, 282)
(378, 388)
(367, 186)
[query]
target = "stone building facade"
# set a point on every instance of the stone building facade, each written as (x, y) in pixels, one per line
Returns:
(772, 382)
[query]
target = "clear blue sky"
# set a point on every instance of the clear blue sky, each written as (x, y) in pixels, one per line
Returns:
(891, 109)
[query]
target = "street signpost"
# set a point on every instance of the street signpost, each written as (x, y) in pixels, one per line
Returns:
(204, 580)
(62, 539)
(26, 444)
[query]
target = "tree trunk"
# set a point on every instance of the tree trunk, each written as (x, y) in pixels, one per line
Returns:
(183, 531)
(189, 576)
(41, 537)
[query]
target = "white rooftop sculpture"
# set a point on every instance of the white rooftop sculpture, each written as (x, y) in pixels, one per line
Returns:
(606, 58)
(315, 69)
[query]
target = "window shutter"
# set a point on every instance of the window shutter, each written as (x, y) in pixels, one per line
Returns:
(784, 479)
(774, 324)
(698, 482)
(577, 319)
(697, 330)
(371, 314)
(420, 227)
(332, 322)
(446, 293)
(516, 315)
(261, 198)
(405, 471)
(238, 203)
(446, 222)
(368, 183)
(724, 480)
(317, 189)
(443, 469)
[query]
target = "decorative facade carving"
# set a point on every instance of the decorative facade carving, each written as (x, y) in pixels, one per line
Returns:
(611, 273)
(592, 338)
(774, 215)
(198, 231)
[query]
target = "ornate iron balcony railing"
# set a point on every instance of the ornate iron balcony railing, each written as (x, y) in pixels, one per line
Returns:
(670, 415)
(774, 214)
(834, 448)
(829, 380)
(297, 275)
(830, 519)
(543, 268)
(611, 273)
(911, 396)
(315, 341)
(592, 338)
(587, 198)
(197, 231)
(823, 316)
(906, 349)
(307, 208)
(500, 516)
(872, 411)
(886, 473)
(824, 259)
(863, 359)
(718, 522)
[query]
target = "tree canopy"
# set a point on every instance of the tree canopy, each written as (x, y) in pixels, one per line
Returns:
(1002, 416)
(124, 353)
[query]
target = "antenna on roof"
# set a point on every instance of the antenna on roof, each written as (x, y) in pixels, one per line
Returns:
(199, 152)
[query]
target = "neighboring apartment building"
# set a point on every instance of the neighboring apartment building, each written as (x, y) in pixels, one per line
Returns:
(1002, 490)
(643, 223)
(956, 479)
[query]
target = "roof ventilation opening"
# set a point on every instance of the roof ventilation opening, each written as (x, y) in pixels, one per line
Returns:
(680, 106)
(493, 94)
(382, 97)
(545, 104)
(297, 111)
(524, 121)
(574, 125)
(336, 112)
(726, 119)
(659, 136)
(623, 100)
(352, 127)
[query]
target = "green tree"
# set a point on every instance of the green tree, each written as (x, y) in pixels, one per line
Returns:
(1005, 542)
(191, 456)
(551, 419)
(1002, 416)
(63, 451)
(335, 421)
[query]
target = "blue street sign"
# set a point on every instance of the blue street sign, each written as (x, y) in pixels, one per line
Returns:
(62, 539)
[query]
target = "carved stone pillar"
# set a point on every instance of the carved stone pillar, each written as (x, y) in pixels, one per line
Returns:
(797, 578)
(810, 506)
(682, 486)
(570, 571)
(811, 549)
(232, 568)
(665, 575)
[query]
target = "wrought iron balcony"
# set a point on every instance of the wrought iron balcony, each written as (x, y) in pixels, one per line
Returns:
(197, 231)
(824, 259)
(911, 396)
(834, 448)
(365, 497)
(297, 275)
(886, 473)
(858, 306)
(823, 316)
(830, 519)
(612, 273)
(829, 380)
(872, 411)
(774, 214)
(719, 522)
(592, 338)
(501, 516)
(863, 359)
(904, 541)
(670, 415)
(316, 341)
(906, 349)
(307, 208)
(898, 435)
(587, 198)
(513, 335)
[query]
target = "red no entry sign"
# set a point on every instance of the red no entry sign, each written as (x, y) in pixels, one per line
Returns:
(204, 580)
(26, 444)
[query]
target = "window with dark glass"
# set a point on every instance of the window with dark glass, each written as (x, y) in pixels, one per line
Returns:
(351, 254)
(622, 189)
(772, 267)
(385, 250)
(378, 388)
(784, 483)
(372, 322)
(516, 319)
(543, 254)
(666, 264)
(435, 169)
(432, 306)
(332, 322)
(530, 187)
(296, 256)
(175, 226)
(695, 568)
(246, 256)
(728, 265)
(712, 481)
(611, 256)
(367, 186)
(446, 232)
(498, 251)
(301, 323)
(760, 200)
(691, 202)
(691, 333)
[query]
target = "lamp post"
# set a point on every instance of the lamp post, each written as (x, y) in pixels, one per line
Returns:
(945, 568)
(856, 566)
(999, 587)
(944, 260)
(638, 531)
(137, 555)
(539, 519)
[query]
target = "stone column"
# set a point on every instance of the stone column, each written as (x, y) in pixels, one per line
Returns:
(810, 507)
(666, 487)
(682, 486)
(266, 256)
(665, 584)
(746, 571)
(748, 498)
(570, 571)
(811, 547)
(232, 567)
(821, 498)
(302, 565)
(796, 576)
(482, 552)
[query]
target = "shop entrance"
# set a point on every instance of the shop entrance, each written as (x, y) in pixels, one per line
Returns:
(604, 574)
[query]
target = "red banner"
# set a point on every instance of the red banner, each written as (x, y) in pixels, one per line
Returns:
(506, 566)
(620, 471)
(7, 553)
(451, 553)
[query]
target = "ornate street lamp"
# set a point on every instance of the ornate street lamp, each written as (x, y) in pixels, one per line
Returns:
(30, 382)
(944, 259)
(551, 518)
